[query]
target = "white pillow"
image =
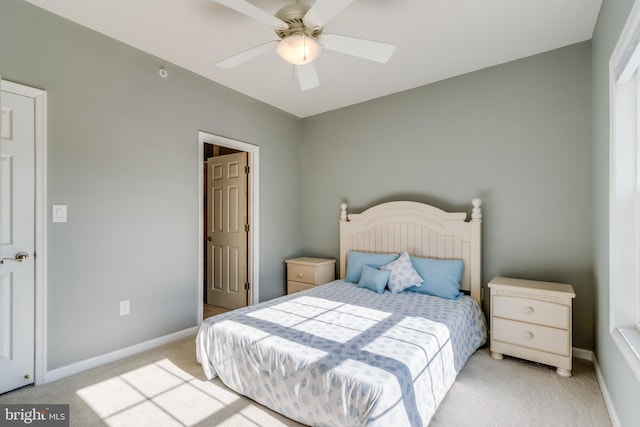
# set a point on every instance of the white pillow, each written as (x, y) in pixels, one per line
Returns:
(403, 275)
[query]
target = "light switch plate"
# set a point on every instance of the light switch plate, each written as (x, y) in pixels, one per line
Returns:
(58, 213)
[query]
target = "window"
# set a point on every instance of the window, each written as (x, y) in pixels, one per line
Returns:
(624, 211)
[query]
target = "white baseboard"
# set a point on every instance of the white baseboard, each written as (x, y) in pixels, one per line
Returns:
(580, 353)
(94, 362)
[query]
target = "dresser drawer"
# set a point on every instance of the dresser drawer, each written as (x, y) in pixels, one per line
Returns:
(303, 273)
(537, 337)
(293, 287)
(532, 311)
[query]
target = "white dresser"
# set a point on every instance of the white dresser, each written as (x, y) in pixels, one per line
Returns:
(532, 320)
(306, 272)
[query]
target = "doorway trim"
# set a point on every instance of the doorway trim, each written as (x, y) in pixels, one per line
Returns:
(253, 210)
(40, 263)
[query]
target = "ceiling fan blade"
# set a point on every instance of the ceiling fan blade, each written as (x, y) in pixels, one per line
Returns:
(247, 55)
(322, 11)
(254, 12)
(367, 49)
(307, 76)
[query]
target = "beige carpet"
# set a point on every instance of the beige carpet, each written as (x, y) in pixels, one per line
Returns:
(166, 387)
(514, 392)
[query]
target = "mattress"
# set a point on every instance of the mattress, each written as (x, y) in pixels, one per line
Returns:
(339, 355)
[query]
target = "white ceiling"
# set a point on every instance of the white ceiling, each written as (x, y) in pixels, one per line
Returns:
(435, 40)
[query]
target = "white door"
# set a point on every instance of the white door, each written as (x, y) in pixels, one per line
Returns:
(227, 236)
(17, 240)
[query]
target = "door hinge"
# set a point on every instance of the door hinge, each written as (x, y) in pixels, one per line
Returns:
(246, 286)
(247, 169)
(246, 227)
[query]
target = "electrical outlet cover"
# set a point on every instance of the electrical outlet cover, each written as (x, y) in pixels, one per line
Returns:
(124, 308)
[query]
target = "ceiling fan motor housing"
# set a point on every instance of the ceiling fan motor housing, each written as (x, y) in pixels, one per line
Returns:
(293, 15)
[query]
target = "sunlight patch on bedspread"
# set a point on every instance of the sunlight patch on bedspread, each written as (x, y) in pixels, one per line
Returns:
(414, 342)
(236, 340)
(323, 318)
(278, 316)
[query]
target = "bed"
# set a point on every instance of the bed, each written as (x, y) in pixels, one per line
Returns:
(348, 354)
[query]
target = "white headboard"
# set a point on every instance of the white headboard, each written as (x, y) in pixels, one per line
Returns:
(421, 230)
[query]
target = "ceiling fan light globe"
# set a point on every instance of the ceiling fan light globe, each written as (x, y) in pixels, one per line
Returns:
(298, 49)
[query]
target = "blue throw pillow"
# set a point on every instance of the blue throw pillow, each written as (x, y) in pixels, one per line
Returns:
(374, 279)
(441, 276)
(357, 260)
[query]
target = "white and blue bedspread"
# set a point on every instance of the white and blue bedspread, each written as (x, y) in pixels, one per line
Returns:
(339, 355)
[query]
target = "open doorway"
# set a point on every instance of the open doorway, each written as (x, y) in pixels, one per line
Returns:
(228, 224)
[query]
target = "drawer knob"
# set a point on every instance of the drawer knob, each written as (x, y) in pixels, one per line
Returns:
(300, 275)
(528, 335)
(528, 310)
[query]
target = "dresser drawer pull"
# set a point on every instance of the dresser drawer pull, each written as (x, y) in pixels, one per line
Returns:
(527, 335)
(528, 310)
(300, 275)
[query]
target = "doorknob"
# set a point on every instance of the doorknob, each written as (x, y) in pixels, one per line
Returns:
(20, 257)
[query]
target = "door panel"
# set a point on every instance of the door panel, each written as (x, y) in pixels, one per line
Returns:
(227, 263)
(6, 183)
(6, 321)
(17, 234)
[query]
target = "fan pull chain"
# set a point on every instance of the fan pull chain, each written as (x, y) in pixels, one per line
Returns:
(293, 75)
(304, 47)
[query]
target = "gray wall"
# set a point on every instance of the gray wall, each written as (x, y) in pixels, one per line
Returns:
(621, 382)
(123, 156)
(517, 135)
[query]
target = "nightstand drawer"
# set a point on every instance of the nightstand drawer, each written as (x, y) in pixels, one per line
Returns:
(293, 287)
(532, 311)
(303, 273)
(537, 337)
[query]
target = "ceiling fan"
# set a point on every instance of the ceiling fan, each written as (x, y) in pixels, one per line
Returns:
(300, 29)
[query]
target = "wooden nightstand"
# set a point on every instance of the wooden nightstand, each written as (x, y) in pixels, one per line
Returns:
(305, 273)
(532, 320)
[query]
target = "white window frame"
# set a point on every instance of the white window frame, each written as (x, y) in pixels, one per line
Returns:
(624, 192)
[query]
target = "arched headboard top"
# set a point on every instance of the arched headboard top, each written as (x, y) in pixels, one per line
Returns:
(420, 229)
